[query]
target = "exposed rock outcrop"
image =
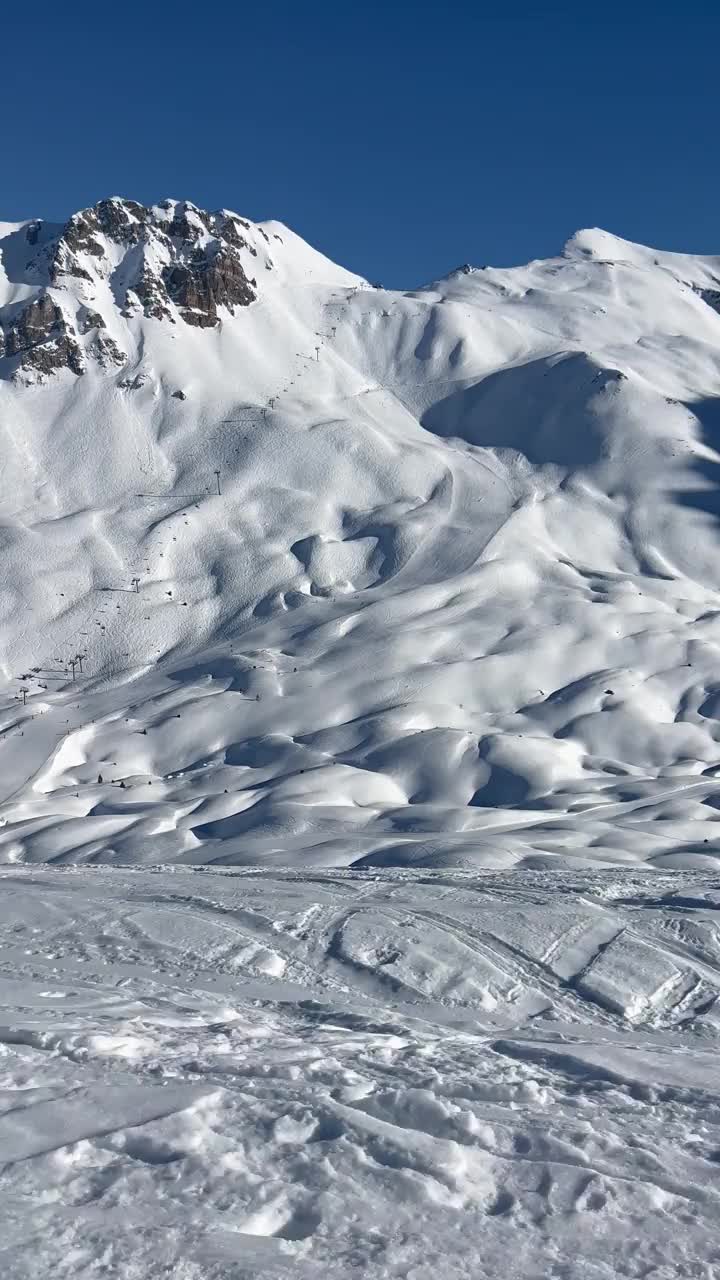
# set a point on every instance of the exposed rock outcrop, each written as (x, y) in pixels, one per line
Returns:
(89, 320)
(105, 350)
(210, 279)
(121, 221)
(711, 297)
(42, 338)
(167, 262)
(151, 295)
(76, 240)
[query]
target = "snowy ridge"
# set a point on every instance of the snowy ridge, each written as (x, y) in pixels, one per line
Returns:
(456, 601)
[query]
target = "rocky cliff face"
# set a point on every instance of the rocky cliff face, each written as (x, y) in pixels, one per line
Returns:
(41, 337)
(171, 262)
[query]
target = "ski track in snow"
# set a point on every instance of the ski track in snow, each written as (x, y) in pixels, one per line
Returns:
(359, 909)
(342, 1073)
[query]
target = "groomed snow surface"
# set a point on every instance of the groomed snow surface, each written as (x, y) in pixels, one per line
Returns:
(359, 894)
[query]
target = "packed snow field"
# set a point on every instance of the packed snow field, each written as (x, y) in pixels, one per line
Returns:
(226, 1074)
(360, 683)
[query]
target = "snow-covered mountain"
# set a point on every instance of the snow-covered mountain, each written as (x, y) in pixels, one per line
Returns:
(351, 576)
(360, 591)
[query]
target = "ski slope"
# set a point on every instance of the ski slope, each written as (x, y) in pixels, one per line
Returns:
(359, 768)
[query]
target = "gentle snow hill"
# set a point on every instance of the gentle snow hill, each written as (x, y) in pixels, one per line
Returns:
(456, 602)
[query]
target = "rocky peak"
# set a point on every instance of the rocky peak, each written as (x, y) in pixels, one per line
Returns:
(169, 262)
(120, 221)
(199, 252)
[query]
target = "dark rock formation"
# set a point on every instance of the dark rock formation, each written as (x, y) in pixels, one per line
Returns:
(161, 261)
(121, 220)
(152, 296)
(228, 231)
(106, 350)
(41, 336)
(77, 238)
(89, 320)
(32, 325)
(206, 281)
(711, 296)
(182, 226)
(78, 234)
(103, 348)
(204, 272)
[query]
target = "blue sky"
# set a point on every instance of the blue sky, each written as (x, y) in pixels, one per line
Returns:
(402, 139)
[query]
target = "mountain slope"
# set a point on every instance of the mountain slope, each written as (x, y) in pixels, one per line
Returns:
(456, 601)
